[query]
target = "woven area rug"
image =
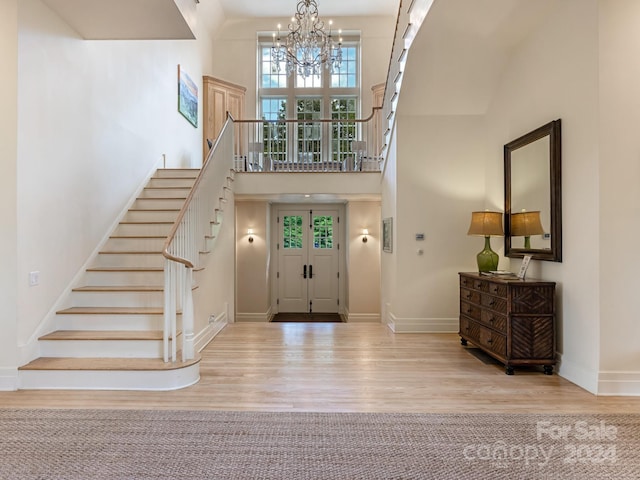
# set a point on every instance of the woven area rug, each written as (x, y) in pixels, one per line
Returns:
(134, 444)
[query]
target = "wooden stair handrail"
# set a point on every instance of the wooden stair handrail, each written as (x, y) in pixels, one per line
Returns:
(187, 202)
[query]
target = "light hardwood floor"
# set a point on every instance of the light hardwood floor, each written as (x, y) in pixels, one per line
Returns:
(344, 368)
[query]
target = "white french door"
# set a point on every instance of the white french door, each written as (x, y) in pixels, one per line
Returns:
(308, 260)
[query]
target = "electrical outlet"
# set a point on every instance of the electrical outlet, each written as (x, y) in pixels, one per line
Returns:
(212, 318)
(34, 278)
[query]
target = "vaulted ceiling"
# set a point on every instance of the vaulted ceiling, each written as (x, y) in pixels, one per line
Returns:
(176, 19)
(285, 8)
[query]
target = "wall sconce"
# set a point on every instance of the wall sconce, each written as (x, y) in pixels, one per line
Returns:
(250, 233)
(365, 232)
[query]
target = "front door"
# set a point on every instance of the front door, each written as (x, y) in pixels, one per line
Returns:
(308, 261)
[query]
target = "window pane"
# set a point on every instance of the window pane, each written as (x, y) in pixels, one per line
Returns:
(292, 231)
(343, 133)
(274, 133)
(311, 80)
(345, 76)
(271, 77)
(323, 232)
(309, 130)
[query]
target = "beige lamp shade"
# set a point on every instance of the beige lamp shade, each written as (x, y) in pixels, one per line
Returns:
(486, 224)
(526, 224)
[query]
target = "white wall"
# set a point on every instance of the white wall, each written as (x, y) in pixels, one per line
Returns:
(619, 175)
(95, 117)
(441, 180)
(450, 163)
(8, 191)
(388, 208)
(540, 85)
(362, 275)
(253, 284)
(216, 283)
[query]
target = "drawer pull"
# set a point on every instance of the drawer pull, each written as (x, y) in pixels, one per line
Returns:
(489, 341)
(491, 320)
(494, 289)
(468, 295)
(492, 303)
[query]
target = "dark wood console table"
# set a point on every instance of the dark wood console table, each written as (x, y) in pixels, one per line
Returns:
(512, 320)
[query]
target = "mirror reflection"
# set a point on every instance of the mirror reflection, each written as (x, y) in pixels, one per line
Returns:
(533, 209)
(531, 196)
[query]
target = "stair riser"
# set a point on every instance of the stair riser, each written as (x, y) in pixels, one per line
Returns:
(171, 182)
(151, 216)
(117, 299)
(129, 260)
(177, 173)
(108, 379)
(165, 192)
(158, 203)
(135, 244)
(123, 278)
(110, 322)
(132, 229)
(101, 348)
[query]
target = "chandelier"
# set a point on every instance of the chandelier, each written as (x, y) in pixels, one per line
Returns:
(307, 46)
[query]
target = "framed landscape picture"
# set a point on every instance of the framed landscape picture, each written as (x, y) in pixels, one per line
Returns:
(387, 234)
(187, 97)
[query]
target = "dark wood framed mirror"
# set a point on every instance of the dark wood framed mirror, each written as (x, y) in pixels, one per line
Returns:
(533, 194)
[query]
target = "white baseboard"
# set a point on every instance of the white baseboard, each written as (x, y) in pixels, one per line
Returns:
(362, 317)
(8, 379)
(585, 379)
(619, 383)
(253, 317)
(422, 325)
(207, 334)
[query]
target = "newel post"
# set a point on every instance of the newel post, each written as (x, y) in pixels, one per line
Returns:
(188, 351)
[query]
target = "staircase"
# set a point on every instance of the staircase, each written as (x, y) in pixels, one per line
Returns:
(111, 336)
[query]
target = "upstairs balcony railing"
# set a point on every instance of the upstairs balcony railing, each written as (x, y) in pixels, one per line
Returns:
(309, 145)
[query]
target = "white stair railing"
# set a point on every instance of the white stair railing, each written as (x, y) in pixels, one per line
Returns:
(187, 239)
(411, 15)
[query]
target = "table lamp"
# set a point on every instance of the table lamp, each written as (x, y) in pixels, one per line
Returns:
(486, 224)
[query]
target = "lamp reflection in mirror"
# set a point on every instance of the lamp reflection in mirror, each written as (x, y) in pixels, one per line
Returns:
(525, 224)
(487, 224)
